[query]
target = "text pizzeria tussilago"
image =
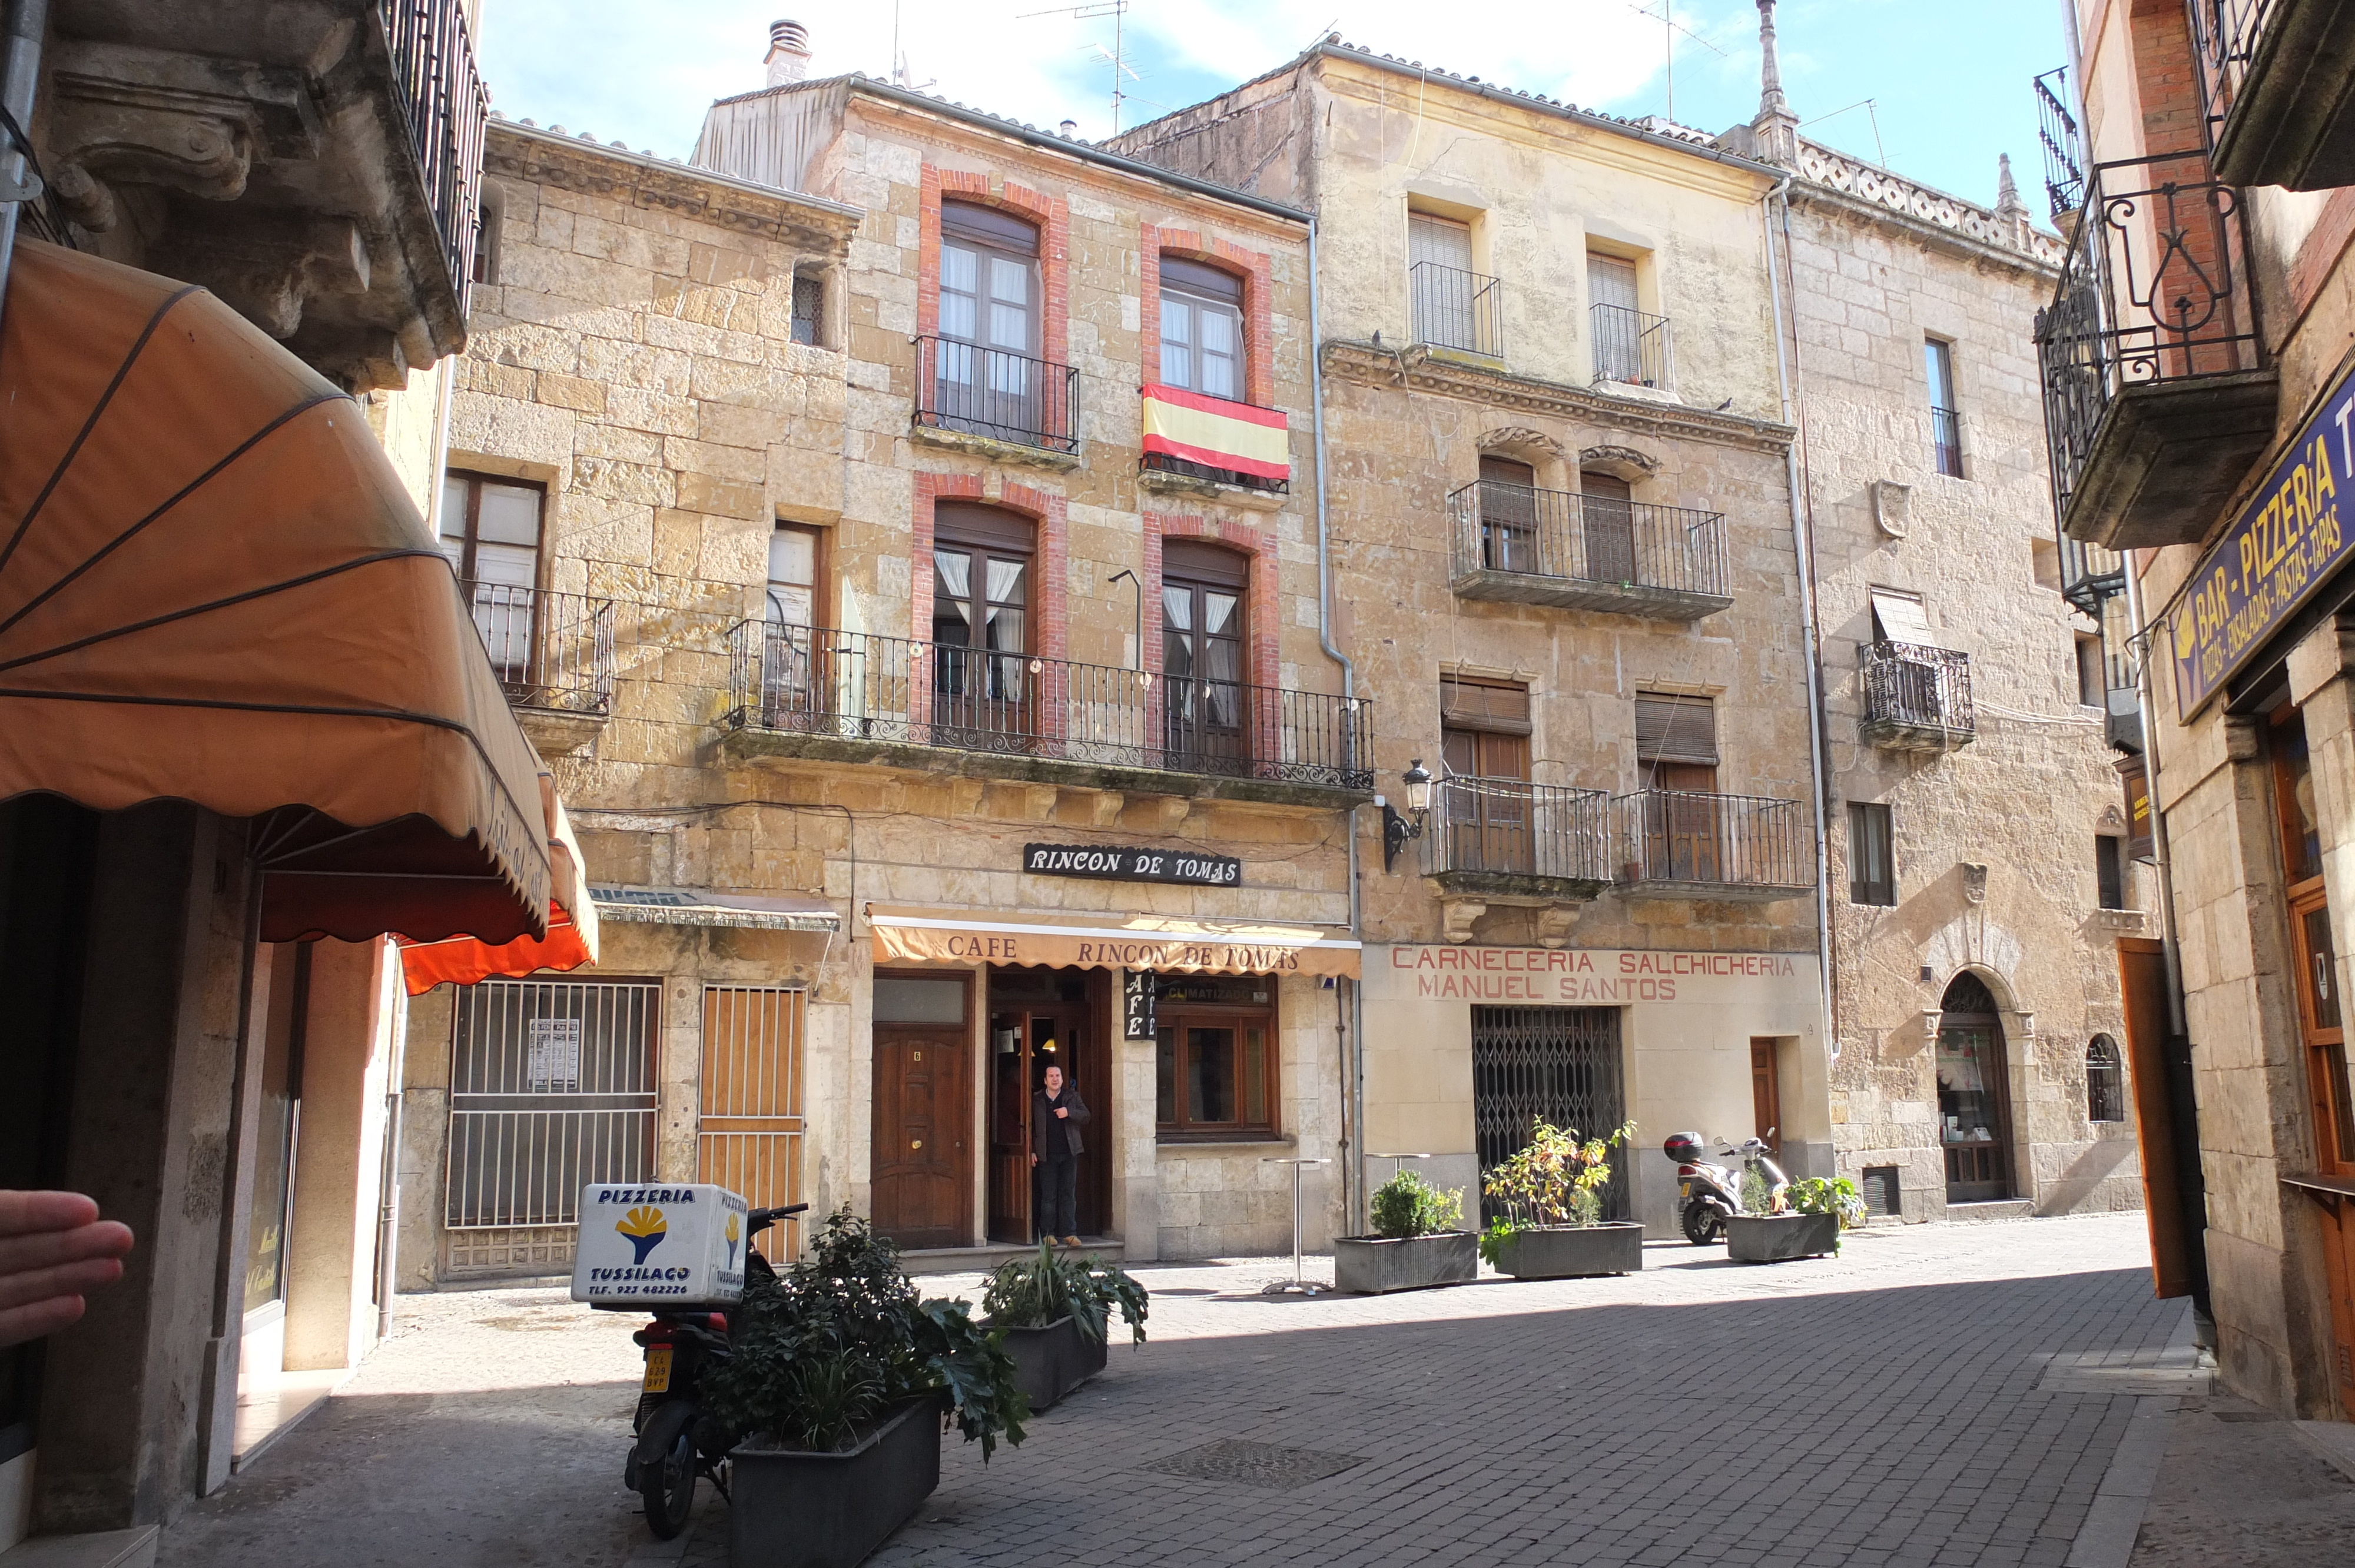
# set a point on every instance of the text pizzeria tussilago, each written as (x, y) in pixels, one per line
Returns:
(1523, 974)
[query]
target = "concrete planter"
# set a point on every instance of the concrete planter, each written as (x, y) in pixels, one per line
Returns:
(1778, 1238)
(1572, 1252)
(1050, 1362)
(792, 1508)
(1373, 1264)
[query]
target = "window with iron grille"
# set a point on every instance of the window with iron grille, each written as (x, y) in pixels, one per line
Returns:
(1945, 423)
(1558, 1064)
(2105, 1088)
(2110, 872)
(1871, 859)
(809, 303)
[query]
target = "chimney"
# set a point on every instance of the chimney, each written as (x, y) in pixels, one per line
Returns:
(789, 53)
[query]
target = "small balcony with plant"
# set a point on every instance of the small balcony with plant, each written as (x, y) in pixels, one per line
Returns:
(998, 402)
(2277, 85)
(553, 654)
(851, 696)
(1632, 349)
(1516, 544)
(1508, 842)
(2157, 392)
(1917, 698)
(1456, 310)
(1685, 843)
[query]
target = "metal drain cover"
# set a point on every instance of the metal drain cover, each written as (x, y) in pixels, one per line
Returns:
(1255, 1464)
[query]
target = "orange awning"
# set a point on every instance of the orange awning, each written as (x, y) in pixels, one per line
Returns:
(1108, 941)
(214, 588)
(571, 939)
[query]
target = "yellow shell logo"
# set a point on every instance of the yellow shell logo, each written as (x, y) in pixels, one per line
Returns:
(731, 1233)
(2187, 636)
(644, 1228)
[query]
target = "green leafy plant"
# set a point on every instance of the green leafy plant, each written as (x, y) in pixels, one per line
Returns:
(826, 1347)
(1556, 1179)
(1407, 1206)
(1758, 1194)
(1030, 1293)
(1828, 1195)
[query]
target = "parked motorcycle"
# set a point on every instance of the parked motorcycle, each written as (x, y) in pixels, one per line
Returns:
(1708, 1193)
(678, 1437)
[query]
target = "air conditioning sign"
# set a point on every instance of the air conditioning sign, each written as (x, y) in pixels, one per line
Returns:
(1120, 864)
(2287, 541)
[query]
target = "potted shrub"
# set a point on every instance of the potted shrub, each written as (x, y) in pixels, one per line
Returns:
(1054, 1312)
(840, 1383)
(1552, 1225)
(1415, 1242)
(1812, 1214)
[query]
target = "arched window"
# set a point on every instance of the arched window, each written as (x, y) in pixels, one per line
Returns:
(2105, 1088)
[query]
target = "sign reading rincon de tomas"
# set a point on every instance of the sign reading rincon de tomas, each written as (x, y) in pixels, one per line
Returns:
(1125, 864)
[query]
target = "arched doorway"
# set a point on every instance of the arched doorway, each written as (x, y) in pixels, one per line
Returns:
(1974, 1094)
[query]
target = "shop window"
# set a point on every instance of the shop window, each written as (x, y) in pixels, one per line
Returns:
(2110, 872)
(1201, 329)
(2105, 1095)
(1871, 857)
(1214, 1057)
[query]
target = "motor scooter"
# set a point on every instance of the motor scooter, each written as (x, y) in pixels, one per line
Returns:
(1708, 1194)
(678, 1437)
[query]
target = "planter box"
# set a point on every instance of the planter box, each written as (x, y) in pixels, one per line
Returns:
(1572, 1252)
(1373, 1264)
(1050, 1362)
(1778, 1238)
(790, 1507)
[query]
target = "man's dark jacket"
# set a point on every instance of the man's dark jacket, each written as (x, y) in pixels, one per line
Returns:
(1043, 1120)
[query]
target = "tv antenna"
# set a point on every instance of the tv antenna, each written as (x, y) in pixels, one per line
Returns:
(1670, 28)
(1116, 10)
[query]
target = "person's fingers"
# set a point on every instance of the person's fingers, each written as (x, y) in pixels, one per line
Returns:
(65, 1279)
(28, 1213)
(99, 1238)
(18, 1324)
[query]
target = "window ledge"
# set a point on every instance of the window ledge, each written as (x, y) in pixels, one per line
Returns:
(992, 447)
(1241, 495)
(1167, 1144)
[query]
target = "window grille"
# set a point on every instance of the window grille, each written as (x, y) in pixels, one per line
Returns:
(2105, 1098)
(1561, 1063)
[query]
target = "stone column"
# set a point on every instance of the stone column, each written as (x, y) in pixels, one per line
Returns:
(339, 1156)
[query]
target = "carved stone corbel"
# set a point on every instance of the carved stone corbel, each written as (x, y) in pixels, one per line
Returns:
(1554, 922)
(1458, 917)
(267, 266)
(1608, 456)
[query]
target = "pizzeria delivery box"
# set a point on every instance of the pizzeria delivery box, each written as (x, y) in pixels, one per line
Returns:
(650, 1247)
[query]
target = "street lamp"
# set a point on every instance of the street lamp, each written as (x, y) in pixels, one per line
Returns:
(1397, 830)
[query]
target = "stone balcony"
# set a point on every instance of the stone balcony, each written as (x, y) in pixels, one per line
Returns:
(1587, 551)
(2278, 81)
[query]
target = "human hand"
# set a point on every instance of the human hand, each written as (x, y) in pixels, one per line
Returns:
(53, 1247)
(1034, 1158)
(1062, 1111)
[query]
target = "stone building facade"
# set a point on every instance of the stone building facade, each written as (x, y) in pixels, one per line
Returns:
(2208, 443)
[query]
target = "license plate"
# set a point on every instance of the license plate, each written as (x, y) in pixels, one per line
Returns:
(658, 1369)
(1684, 1189)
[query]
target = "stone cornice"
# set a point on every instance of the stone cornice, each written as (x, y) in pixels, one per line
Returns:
(1865, 190)
(1367, 365)
(611, 173)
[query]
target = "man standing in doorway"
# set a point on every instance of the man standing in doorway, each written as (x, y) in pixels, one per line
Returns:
(1057, 1114)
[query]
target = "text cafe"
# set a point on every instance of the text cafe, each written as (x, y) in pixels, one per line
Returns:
(1205, 1048)
(1465, 1045)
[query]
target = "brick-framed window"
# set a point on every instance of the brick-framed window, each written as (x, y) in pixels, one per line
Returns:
(1050, 634)
(1254, 269)
(1258, 545)
(1051, 216)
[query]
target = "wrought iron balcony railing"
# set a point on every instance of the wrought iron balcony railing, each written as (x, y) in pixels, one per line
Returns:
(1917, 698)
(1489, 830)
(1559, 547)
(551, 651)
(856, 687)
(1946, 440)
(2272, 82)
(1631, 347)
(2090, 575)
(2064, 148)
(1455, 309)
(441, 96)
(1684, 842)
(989, 392)
(2153, 293)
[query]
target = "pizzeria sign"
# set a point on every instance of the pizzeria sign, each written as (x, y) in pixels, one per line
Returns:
(2287, 542)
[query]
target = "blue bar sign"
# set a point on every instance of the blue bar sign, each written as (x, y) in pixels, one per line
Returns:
(2287, 542)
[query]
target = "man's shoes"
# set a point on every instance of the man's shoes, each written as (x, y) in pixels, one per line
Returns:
(1070, 1241)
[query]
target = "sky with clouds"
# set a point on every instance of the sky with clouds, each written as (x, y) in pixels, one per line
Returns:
(1935, 89)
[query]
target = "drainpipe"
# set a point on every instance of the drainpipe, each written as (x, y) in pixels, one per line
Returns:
(20, 75)
(1803, 542)
(1353, 1060)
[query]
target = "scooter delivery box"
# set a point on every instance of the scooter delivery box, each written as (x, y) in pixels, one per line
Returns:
(648, 1247)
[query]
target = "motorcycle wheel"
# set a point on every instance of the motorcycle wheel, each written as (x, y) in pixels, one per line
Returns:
(669, 1489)
(1703, 1224)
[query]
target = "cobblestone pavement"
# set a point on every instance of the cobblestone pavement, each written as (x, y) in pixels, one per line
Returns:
(2238, 1489)
(1937, 1395)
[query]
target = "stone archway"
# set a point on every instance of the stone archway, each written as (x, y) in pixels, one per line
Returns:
(1976, 1116)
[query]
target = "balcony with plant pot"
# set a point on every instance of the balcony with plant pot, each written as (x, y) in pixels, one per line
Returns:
(2159, 393)
(1518, 545)
(1685, 843)
(1917, 698)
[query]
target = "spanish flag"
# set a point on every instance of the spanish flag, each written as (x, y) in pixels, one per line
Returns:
(1217, 433)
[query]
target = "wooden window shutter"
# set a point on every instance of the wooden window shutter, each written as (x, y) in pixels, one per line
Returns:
(1501, 707)
(986, 527)
(1196, 562)
(1676, 729)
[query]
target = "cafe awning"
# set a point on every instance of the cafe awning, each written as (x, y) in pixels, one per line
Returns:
(571, 939)
(214, 588)
(1108, 941)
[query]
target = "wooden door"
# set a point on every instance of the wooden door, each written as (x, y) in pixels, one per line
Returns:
(1607, 507)
(922, 1190)
(748, 1136)
(1488, 813)
(1766, 1093)
(1509, 515)
(1024, 1037)
(1690, 827)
